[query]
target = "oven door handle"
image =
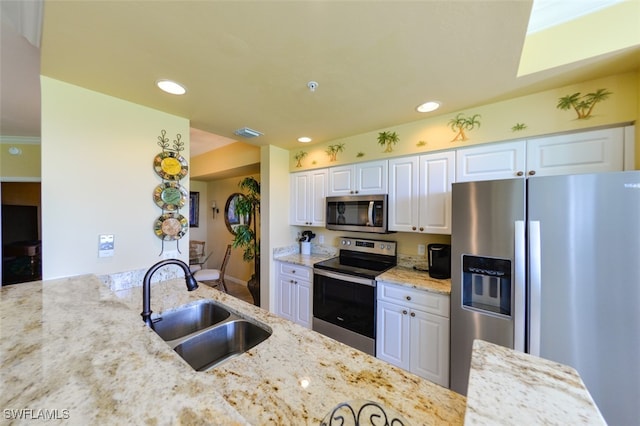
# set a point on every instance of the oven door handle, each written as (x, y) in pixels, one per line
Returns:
(345, 277)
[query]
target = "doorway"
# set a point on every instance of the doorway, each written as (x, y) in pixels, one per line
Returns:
(21, 232)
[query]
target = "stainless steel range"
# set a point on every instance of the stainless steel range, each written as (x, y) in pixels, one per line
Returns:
(344, 291)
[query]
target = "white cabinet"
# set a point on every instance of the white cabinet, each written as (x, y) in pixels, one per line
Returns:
(359, 179)
(308, 192)
(420, 193)
(488, 162)
(413, 331)
(584, 152)
(293, 293)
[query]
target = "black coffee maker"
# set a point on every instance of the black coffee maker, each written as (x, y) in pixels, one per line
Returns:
(439, 260)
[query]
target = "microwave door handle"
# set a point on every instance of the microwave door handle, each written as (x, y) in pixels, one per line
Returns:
(370, 214)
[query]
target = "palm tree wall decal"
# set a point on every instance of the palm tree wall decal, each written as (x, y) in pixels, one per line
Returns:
(461, 123)
(582, 105)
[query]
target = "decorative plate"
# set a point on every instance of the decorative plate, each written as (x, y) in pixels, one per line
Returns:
(170, 165)
(170, 196)
(170, 226)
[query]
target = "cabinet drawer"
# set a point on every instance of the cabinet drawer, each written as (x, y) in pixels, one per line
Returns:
(433, 303)
(300, 272)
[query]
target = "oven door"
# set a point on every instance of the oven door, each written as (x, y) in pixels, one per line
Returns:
(344, 309)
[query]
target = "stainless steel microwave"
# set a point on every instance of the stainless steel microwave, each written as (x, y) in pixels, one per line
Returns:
(360, 213)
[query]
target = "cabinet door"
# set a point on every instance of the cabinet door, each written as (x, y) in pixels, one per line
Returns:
(429, 348)
(585, 152)
(285, 298)
(318, 182)
(299, 213)
(436, 176)
(371, 177)
(303, 303)
(489, 162)
(342, 180)
(392, 337)
(403, 194)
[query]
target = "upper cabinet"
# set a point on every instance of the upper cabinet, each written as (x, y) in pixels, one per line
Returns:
(308, 192)
(585, 152)
(420, 193)
(359, 179)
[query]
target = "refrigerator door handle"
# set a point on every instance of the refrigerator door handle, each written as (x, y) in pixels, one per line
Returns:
(535, 287)
(519, 287)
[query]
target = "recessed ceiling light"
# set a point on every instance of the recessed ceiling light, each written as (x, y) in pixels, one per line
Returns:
(304, 139)
(428, 106)
(171, 87)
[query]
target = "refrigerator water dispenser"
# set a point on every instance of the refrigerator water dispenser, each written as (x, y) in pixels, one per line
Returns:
(486, 285)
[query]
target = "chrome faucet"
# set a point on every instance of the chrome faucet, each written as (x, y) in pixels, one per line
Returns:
(191, 282)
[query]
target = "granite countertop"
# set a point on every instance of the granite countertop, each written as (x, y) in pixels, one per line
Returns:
(512, 388)
(73, 344)
(304, 259)
(420, 280)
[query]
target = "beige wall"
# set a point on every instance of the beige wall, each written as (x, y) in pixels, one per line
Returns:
(22, 167)
(200, 233)
(218, 236)
(237, 157)
(98, 178)
(537, 111)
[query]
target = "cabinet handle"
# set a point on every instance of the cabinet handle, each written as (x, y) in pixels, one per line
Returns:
(413, 314)
(519, 174)
(404, 312)
(532, 172)
(408, 297)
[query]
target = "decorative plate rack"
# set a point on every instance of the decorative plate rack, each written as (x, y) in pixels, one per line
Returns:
(169, 195)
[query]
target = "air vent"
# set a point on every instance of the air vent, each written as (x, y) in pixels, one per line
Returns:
(246, 132)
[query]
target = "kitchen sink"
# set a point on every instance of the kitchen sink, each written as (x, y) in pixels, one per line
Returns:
(189, 319)
(220, 343)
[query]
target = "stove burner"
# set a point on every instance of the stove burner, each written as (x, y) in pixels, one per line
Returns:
(362, 258)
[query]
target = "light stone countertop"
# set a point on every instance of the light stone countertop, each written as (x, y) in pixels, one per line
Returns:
(304, 259)
(416, 279)
(73, 344)
(507, 387)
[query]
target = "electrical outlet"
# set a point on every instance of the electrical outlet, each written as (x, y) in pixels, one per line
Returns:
(320, 239)
(421, 249)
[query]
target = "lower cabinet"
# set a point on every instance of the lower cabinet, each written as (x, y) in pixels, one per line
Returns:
(294, 293)
(413, 331)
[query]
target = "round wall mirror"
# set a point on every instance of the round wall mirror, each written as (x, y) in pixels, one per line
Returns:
(231, 218)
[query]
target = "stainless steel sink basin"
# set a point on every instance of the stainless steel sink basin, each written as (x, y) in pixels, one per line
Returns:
(189, 319)
(220, 343)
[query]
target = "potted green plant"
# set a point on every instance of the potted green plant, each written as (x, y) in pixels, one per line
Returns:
(246, 236)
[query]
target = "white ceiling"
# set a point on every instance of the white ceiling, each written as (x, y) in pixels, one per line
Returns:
(247, 63)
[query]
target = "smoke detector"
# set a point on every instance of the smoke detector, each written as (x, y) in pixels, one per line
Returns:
(246, 132)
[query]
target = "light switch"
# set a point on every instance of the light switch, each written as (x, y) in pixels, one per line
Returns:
(105, 245)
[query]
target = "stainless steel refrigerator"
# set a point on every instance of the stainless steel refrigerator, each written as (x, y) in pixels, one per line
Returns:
(551, 266)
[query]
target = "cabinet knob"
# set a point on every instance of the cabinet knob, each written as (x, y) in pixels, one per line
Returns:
(404, 312)
(532, 172)
(291, 281)
(413, 314)
(293, 271)
(413, 228)
(408, 297)
(421, 228)
(519, 174)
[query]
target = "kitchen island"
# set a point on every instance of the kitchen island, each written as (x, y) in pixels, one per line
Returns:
(76, 349)
(77, 352)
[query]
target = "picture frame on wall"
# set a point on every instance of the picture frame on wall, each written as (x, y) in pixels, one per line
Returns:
(194, 209)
